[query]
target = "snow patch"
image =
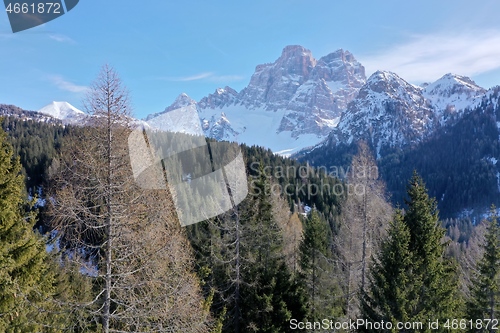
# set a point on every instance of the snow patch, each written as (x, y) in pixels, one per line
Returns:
(260, 127)
(493, 160)
(498, 181)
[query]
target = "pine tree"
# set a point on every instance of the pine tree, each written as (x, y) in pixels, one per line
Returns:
(25, 281)
(270, 295)
(412, 280)
(485, 290)
(389, 296)
(317, 267)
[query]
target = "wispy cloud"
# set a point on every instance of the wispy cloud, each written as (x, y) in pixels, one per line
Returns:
(428, 57)
(66, 85)
(61, 38)
(205, 76)
(195, 77)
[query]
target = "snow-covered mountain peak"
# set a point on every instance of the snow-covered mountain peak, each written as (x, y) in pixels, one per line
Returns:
(387, 112)
(297, 101)
(220, 98)
(63, 111)
(451, 84)
(385, 85)
(453, 93)
(181, 101)
(390, 112)
(288, 104)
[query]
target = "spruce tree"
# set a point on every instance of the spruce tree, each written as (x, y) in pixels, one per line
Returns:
(270, 296)
(412, 281)
(485, 298)
(389, 297)
(25, 282)
(317, 269)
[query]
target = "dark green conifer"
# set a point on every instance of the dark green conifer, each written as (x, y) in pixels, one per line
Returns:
(412, 281)
(270, 296)
(25, 282)
(317, 267)
(485, 290)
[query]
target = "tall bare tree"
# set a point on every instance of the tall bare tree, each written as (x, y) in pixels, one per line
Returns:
(365, 214)
(129, 237)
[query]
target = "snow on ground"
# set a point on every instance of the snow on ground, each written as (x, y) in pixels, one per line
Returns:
(183, 120)
(260, 127)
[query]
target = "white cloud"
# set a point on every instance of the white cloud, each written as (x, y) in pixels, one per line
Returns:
(61, 38)
(63, 84)
(196, 77)
(428, 57)
(207, 76)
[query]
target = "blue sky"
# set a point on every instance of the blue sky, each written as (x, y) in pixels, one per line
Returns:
(162, 48)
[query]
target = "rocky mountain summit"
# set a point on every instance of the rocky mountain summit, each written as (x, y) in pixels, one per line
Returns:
(289, 104)
(298, 102)
(390, 112)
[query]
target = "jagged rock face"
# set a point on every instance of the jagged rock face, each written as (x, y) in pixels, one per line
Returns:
(308, 96)
(340, 66)
(320, 101)
(296, 81)
(388, 111)
(220, 129)
(275, 84)
(343, 74)
(220, 98)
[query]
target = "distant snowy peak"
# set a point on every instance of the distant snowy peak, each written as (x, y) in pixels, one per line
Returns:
(220, 98)
(63, 111)
(390, 112)
(183, 119)
(387, 112)
(182, 101)
(451, 84)
(453, 93)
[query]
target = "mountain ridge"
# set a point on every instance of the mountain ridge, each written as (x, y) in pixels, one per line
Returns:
(297, 102)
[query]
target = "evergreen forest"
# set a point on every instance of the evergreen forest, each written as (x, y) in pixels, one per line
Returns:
(311, 249)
